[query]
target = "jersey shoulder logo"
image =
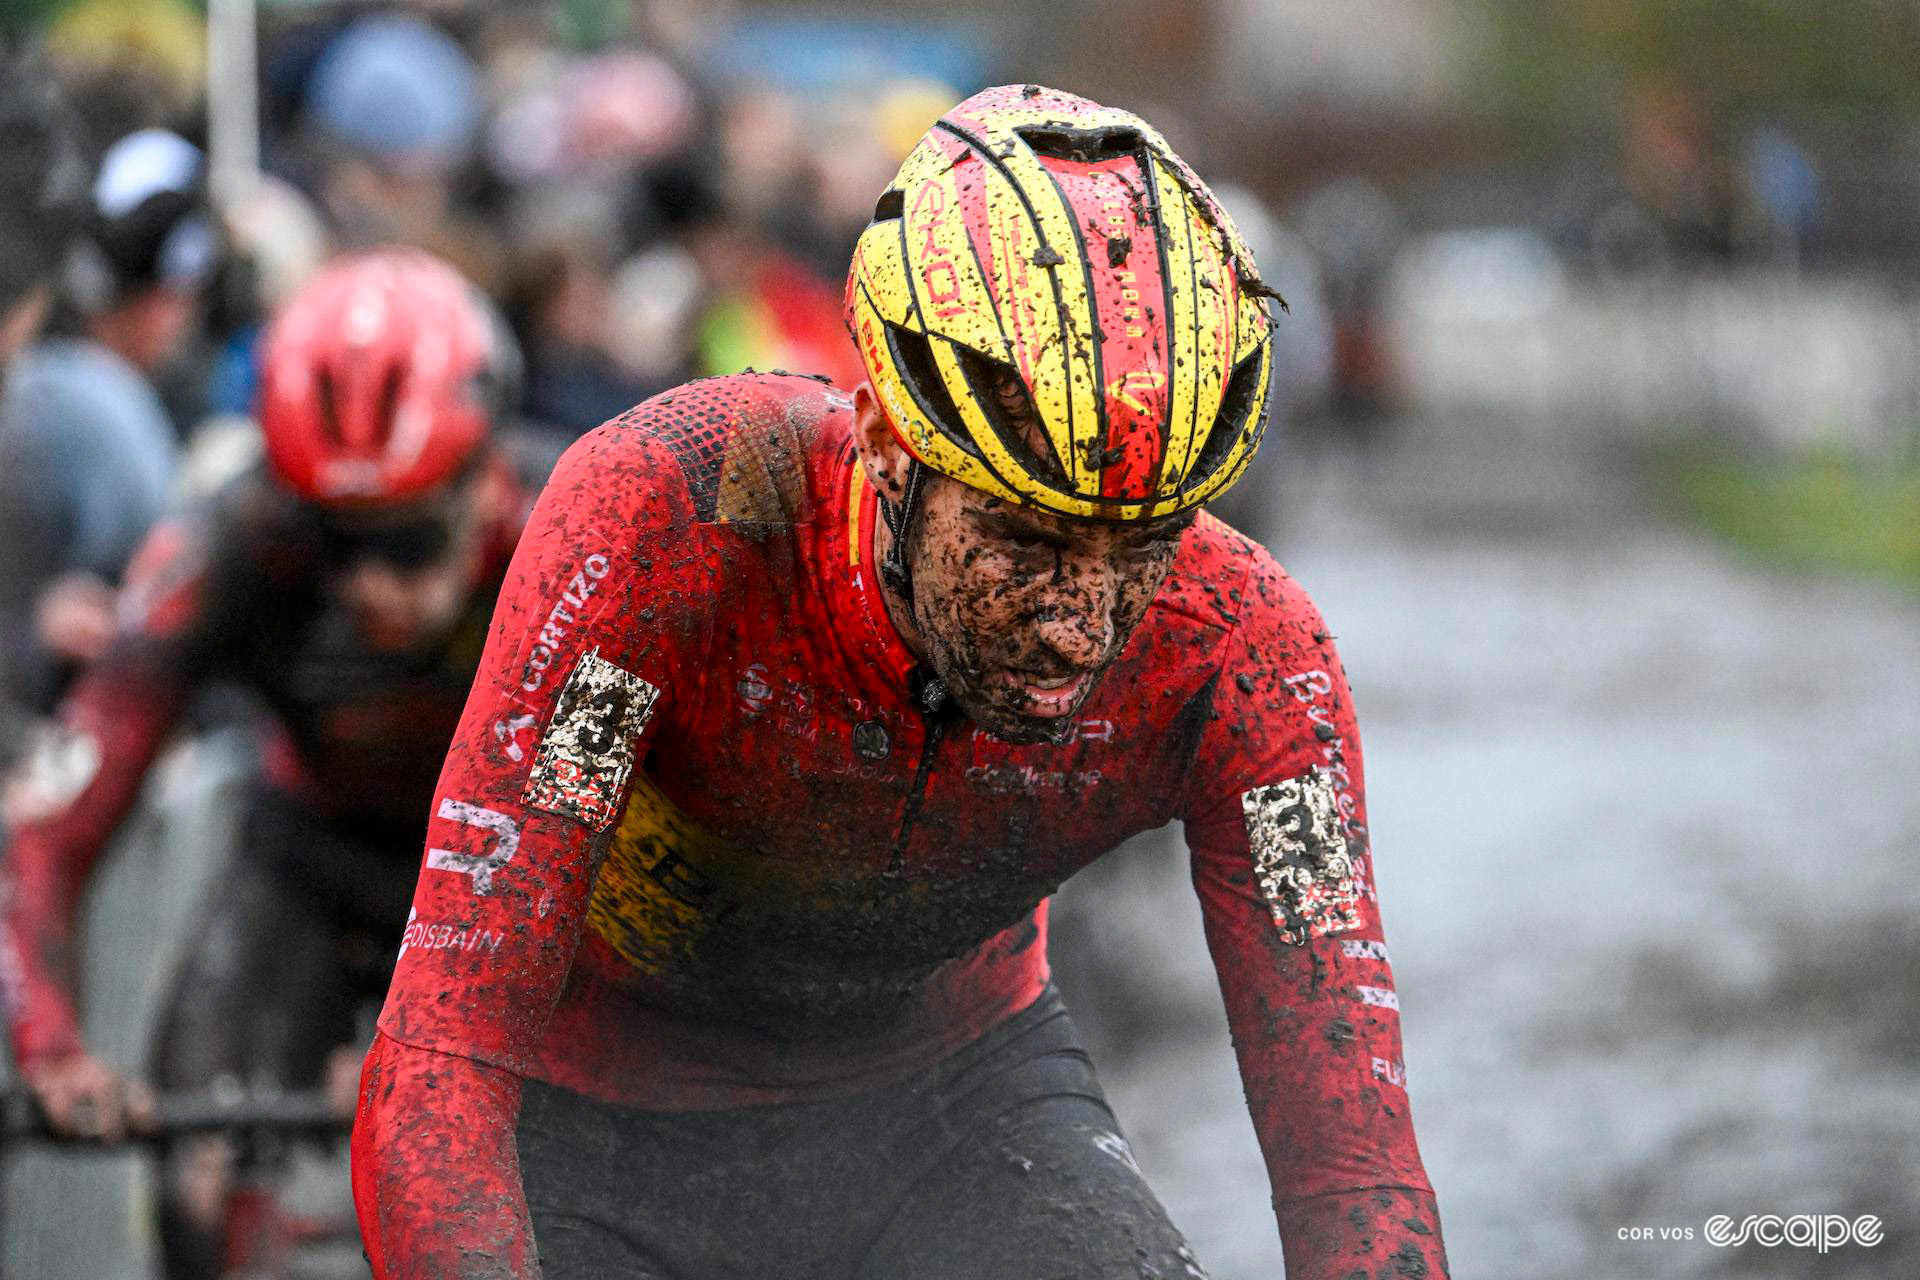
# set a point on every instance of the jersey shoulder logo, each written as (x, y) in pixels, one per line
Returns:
(581, 768)
(1300, 857)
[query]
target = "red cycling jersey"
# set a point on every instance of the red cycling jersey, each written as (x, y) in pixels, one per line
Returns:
(696, 846)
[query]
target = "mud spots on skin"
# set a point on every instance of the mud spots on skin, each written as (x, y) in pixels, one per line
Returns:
(1007, 601)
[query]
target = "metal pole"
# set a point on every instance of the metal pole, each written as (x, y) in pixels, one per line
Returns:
(233, 108)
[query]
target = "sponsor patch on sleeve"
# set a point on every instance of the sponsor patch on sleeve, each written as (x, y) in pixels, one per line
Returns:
(1300, 857)
(581, 768)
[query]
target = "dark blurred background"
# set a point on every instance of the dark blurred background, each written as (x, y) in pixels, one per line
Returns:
(1597, 440)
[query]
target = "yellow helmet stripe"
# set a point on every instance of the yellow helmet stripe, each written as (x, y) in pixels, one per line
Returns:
(1235, 462)
(1213, 338)
(881, 271)
(1010, 473)
(949, 288)
(1066, 403)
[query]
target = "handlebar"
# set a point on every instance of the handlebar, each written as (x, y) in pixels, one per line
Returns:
(176, 1115)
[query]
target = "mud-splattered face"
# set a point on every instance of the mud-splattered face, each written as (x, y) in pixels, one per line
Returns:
(1018, 611)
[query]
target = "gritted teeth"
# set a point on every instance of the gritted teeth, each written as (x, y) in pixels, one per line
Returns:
(1039, 680)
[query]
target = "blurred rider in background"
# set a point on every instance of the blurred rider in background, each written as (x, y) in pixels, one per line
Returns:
(348, 584)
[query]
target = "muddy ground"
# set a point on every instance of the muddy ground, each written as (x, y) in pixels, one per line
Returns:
(1646, 823)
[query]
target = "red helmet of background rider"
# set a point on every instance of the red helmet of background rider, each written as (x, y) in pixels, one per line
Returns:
(381, 379)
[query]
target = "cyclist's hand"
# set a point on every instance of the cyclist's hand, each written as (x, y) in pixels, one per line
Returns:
(74, 616)
(342, 1079)
(85, 1098)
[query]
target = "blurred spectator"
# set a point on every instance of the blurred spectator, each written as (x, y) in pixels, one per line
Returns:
(1678, 205)
(851, 148)
(1780, 196)
(655, 299)
(598, 117)
(277, 241)
(1674, 171)
(577, 144)
(1356, 233)
(87, 451)
(392, 109)
(129, 64)
(764, 307)
(566, 243)
(40, 182)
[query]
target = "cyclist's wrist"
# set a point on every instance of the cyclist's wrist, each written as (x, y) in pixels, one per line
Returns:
(45, 1039)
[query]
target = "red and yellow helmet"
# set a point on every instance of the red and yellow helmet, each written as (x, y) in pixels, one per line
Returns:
(1036, 234)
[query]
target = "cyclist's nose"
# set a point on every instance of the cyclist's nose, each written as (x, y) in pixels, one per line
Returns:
(370, 584)
(1076, 616)
(378, 594)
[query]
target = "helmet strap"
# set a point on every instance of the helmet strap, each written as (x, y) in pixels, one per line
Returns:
(929, 691)
(894, 570)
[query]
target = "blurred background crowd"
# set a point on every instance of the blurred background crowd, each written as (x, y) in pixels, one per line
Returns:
(1610, 218)
(1609, 276)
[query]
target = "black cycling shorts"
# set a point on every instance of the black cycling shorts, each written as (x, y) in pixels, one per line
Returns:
(1001, 1163)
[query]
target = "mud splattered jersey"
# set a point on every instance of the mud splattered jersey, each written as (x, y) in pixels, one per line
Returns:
(697, 845)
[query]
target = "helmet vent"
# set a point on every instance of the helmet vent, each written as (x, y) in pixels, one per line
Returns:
(1231, 423)
(891, 204)
(329, 415)
(1087, 146)
(1018, 423)
(383, 415)
(929, 390)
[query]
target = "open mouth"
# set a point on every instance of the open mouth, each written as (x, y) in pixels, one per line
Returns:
(1048, 695)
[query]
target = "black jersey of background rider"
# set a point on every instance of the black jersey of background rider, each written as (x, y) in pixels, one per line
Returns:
(237, 593)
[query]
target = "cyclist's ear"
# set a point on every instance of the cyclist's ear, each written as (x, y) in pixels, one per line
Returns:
(881, 453)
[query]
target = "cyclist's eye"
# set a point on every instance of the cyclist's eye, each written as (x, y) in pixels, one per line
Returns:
(1020, 538)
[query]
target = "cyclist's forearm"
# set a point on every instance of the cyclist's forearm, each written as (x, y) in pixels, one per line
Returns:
(64, 806)
(436, 1176)
(1379, 1230)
